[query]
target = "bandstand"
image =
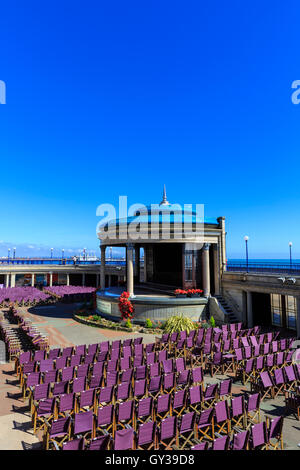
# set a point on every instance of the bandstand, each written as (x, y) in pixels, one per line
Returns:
(184, 258)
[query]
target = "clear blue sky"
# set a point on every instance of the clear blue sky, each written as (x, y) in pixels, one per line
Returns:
(116, 98)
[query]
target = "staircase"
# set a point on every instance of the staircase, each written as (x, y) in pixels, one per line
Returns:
(229, 313)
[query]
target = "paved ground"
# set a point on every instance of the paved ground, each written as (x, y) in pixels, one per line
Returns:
(57, 323)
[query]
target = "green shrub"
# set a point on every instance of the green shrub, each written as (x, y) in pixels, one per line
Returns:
(148, 323)
(128, 324)
(205, 325)
(212, 322)
(95, 317)
(178, 323)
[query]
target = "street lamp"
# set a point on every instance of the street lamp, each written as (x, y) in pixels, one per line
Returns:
(84, 255)
(51, 252)
(290, 245)
(8, 254)
(246, 238)
(62, 253)
(14, 252)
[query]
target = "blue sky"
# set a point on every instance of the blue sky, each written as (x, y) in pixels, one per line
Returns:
(117, 98)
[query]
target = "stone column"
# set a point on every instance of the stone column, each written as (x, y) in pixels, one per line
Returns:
(137, 263)
(298, 317)
(102, 268)
(221, 221)
(205, 270)
(216, 269)
(68, 279)
(97, 280)
(249, 310)
(12, 280)
(51, 279)
(83, 279)
(109, 280)
(32, 279)
(129, 262)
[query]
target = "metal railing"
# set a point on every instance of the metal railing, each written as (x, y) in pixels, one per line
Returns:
(263, 267)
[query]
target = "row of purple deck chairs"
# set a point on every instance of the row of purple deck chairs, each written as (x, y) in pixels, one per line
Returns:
(22, 296)
(182, 430)
(279, 381)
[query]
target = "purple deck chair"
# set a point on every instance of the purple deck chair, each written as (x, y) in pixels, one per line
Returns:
(80, 350)
(279, 382)
(274, 432)
(115, 354)
(98, 368)
(89, 359)
(60, 362)
(222, 417)
(82, 370)
(149, 348)
(106, 396)
(46, 364)
(84, 424)
(104, 346)
(238, 412)
(187, 430)
(265, 385)
(168, 383)
(30, 381)
(75, 444)
(39, 355)
(150, 358)
(163, 407)
(210, 395)
(96, 381)
(154, 387)
(179, 402)
(140, 389)
(60, 388)
(112, 366)
(290, 377)
(54, 353)
(225, 389)
(116, 344)
(205, 425)
(127, 342)
(126, 352)
(67, 373)
(92, 349)
(138, 350)
(75, 360)
(162, 355)
(123, 391)
(127, 375)
(43, 410)
(201, 446)
(195, 398)
(167, 433)
(147, 436)
(138, 361)
(86, 400)
(221, 443)
(66, 404)
(124, 439)
(140, 372)
(79, 384)
(183, 378)
(50, 376)
(106, 419)
(112, 378)
(67, 352)
(240, 441)
(197, 376)
(253, 408)
(259, 438)
(102, 356)
(100, 443)
(125, 415)
(144, 412)
(57, 433)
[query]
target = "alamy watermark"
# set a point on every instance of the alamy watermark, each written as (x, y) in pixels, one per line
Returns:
(158, 221)
(2, 92)
(296, 94)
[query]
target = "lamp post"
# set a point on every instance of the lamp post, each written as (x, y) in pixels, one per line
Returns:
(246, 238)
(84, 255)
(14, 252)
(62, 254)
(51, 252)
(290, 245)
(8, 254)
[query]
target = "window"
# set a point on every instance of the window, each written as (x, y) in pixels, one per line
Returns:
(291, 309)
(276, 309)
(188, 266)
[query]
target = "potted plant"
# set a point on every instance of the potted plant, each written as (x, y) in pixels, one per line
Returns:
(180, 293)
